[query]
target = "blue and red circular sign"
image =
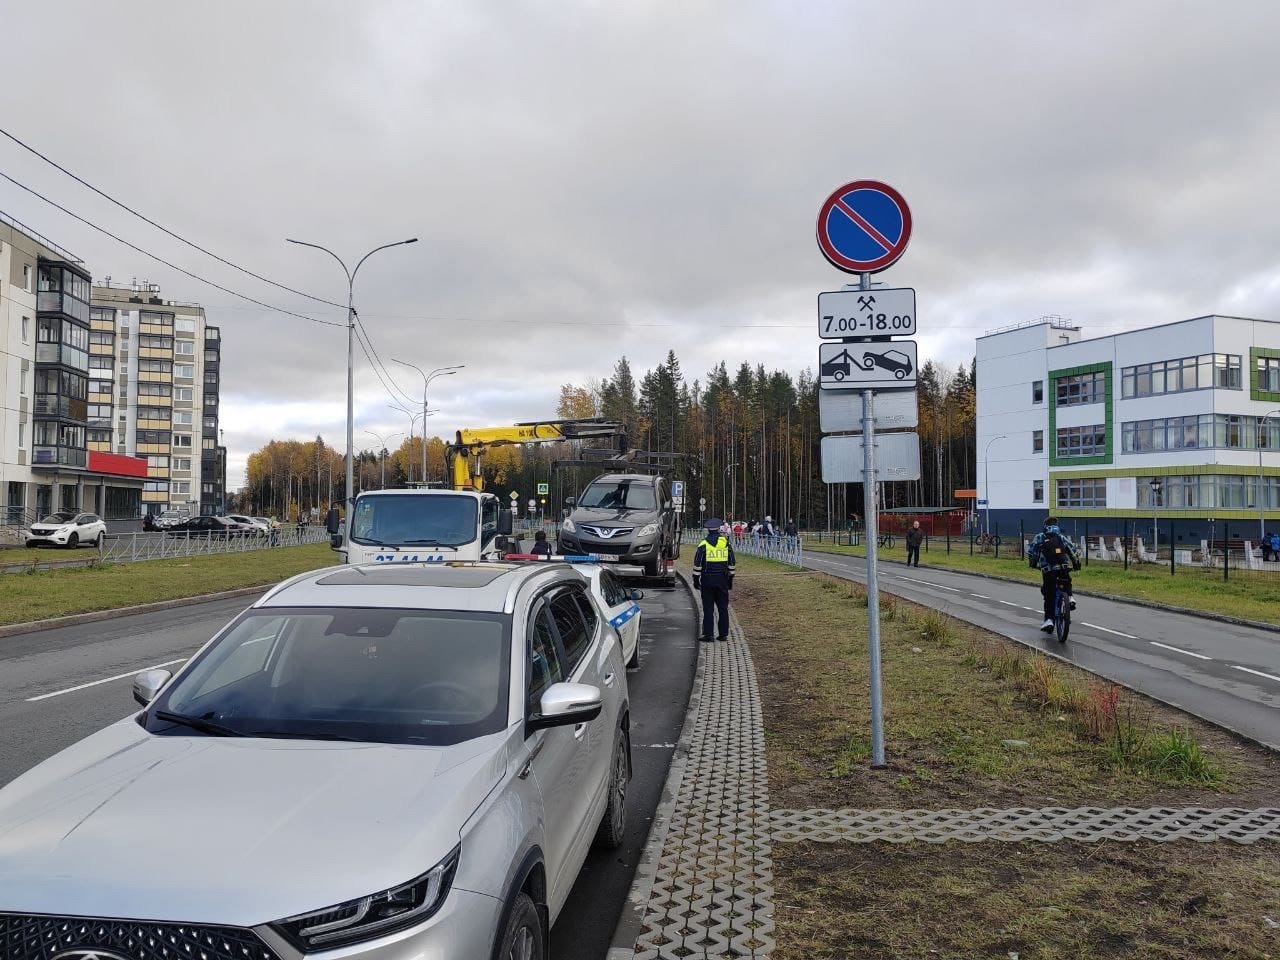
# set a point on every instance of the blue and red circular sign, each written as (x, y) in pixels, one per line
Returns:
(864, 227)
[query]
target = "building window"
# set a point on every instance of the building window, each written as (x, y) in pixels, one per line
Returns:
(183, 394)
(182, 417)
(1090, 441)
(185, 348)
(182, 463)
(26, 329)
(184, 325)
(23, 369)
(1224, 431)
(1037, 391)
(208, 488)
(181, 487)
(185, 370)
(182, 440)
(1037, 441)
(209, 444)
(1037, 491)
(26, 278)
(1268, 371)
(1204, 372)
(1089, 492)
(22, 429)
(1081, 388)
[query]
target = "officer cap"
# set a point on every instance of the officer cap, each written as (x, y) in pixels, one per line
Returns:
(715, 523)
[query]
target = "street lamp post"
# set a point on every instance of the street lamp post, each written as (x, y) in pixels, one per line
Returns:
(1156, 487)
(986, 478)
(426, 382)
(1262, 500)
(733, 491)
(351, 340)
(414, 418)
(383, 440)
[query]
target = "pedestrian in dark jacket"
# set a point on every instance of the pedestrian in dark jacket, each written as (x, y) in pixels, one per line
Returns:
(541, 548)
(713, 567)
(915, 537)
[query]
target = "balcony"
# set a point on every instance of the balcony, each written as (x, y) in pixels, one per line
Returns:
(62, 353)
(56, 405)
(58, 456)
(56, 302)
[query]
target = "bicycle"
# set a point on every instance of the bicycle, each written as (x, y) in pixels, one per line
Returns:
(1061, 609)
(885, 540)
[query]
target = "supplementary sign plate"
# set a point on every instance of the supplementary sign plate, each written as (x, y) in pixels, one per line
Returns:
(889, 312)
(840, 411)
(864, 226)
(862, 366)
(897, 457)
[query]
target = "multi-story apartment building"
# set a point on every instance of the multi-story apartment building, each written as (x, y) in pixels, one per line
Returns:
(155, 369)
(45, 462)
(1179, 421)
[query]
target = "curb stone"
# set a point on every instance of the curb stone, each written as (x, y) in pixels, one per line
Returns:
(1132, 601)
(75, 619)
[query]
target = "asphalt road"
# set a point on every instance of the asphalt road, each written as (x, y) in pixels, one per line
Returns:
(58, 686)
(1225, 673)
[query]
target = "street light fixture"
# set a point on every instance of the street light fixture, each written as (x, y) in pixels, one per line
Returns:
(383, 440)
(1156, 487)
(414, 418)
(1262, 500)
(351, 340)
(986, 477)
(426, 382)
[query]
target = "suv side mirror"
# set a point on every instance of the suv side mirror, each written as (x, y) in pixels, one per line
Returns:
(637, 594)
(333, 522)
(570, 502)
(563, 704)
(147, 684)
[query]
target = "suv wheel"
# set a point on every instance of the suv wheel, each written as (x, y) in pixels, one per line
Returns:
(73, 541)
(522, 936)
(613, 826)
(98, 540)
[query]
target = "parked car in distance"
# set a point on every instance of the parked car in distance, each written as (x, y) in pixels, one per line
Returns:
(171, 518)
(260, 524)
(382, 761)
(67, 529)
(620, 607)
(212, 527)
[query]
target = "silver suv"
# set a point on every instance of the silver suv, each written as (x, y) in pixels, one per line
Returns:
(385, 762)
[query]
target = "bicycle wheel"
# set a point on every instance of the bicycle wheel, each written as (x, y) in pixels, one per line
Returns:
(890, 542)
(1061, 615)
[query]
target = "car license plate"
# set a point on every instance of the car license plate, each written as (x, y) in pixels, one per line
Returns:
(604, 559)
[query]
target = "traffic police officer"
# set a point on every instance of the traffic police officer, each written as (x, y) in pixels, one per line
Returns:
(713, 567)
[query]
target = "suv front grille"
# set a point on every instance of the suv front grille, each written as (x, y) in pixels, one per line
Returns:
(39, 937)
(608, 533)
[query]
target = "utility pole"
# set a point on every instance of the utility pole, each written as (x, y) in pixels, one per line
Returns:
(426, 382)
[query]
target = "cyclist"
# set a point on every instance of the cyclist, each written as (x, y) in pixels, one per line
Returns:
(1056, 557)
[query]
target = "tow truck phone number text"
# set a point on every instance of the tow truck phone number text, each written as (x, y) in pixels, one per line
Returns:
(870, 323)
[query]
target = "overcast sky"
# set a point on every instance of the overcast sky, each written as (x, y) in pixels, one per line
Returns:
(595, 179)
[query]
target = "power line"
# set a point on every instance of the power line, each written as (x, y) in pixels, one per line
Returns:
(173, 266)
(360, 338)
(145, 219)
(369, 340)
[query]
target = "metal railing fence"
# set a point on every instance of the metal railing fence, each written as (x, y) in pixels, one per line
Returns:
(780, 547)
(135, 547)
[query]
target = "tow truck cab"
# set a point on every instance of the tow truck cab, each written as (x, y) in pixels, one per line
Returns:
(423, 526)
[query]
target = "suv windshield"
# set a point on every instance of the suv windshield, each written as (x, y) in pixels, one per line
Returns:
(433, 677)
(59, 518)
(620, 495)
(419, 519)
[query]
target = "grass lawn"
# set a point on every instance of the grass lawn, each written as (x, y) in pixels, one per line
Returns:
(54, 593)
(1250, 595)
(974, 720)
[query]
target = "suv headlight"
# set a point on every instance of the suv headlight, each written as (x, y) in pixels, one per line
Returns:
(568, 526)
(648, 530)
(373, 916)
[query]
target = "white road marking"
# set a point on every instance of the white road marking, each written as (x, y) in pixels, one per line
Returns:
(930, 583)
(1189, 653)
(1127, 636)
(980, 596)
(94, 683)
(1258, 673)
(1009, 603)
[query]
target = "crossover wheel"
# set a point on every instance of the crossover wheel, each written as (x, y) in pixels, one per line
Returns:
(73, 541)
(522, 937)
(613, 826)
(98, 540)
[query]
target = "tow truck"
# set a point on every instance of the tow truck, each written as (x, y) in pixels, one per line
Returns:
(424, 525)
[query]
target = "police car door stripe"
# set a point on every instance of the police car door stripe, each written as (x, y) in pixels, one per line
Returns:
(624, 616)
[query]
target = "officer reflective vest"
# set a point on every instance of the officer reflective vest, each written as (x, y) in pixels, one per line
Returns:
(717, 552)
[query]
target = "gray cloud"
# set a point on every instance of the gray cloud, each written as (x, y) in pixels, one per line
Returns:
(649, 173)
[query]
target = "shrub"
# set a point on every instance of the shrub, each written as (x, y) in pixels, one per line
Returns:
(935, 627)
(1177, 756)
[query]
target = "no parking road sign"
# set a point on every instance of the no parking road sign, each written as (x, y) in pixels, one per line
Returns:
(864, 227)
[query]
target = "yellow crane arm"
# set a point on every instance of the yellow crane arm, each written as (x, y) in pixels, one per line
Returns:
(465, 453)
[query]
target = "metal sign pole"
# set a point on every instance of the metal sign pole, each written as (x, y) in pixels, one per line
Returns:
(871, 509)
